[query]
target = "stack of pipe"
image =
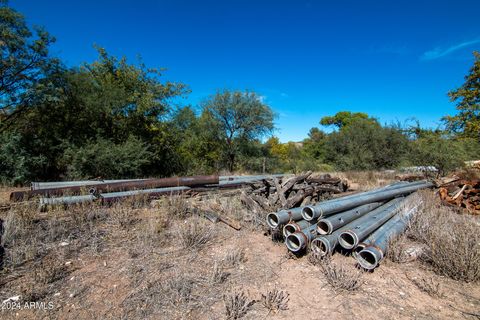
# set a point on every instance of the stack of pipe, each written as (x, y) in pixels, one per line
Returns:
(108, 191)
(363, 222)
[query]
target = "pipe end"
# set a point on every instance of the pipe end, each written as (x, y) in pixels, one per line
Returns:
(324, 227)
(295, 242)
(320, 246)
(369, 258)
(272, 220)
(348, 240)
(308, 213)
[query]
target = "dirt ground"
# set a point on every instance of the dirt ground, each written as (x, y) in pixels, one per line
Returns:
(128, 262)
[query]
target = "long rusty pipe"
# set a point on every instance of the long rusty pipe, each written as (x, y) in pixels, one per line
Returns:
(118, 186)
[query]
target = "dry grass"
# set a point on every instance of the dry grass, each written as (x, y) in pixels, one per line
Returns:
(452, 241)
(275, 300)
(217, 275)
(173, 295)
(237, 304)
(234, 257)
(429, 285)
(194, 233)
(397, 249)
(340, 276)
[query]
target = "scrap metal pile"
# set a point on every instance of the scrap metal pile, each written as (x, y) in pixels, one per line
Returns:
(363, 223)
(108, 191)
(276, 193)
(463, 194)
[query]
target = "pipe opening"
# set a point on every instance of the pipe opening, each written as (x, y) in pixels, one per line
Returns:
(272, 220)
(367, 259)
(357, 250)
(347, 240)
(324, 227)
(319, 246)
(289, 229)
(293, 243)
(308, 213)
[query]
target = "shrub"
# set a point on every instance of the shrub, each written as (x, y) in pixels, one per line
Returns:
(452, 241)
(106, 159)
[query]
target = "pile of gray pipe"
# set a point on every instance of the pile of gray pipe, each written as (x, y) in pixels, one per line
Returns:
(362, 223)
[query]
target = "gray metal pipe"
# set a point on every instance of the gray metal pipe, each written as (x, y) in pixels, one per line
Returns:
(330, 224)
(299, 240)
(276, 219)
(65, 200)
(113, 196)
(328, 208)
(324, 245)
(59, 184)
(376, 245)
(294, 226)
(361, 228)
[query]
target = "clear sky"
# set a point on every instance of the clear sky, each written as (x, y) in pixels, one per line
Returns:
(392, 59)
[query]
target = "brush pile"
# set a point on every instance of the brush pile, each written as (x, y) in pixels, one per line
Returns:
(276, 193)
(463, 194)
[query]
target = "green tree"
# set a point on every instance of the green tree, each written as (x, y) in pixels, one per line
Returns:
(239, 117)
(366, 145)
(24, 62)
(343, 119)
(467, 121)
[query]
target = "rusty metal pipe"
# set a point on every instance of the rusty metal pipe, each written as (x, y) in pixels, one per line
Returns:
(119, 186)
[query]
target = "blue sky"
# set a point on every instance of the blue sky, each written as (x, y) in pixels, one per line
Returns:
(395, 60)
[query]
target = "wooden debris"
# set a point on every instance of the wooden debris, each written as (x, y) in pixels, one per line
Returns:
(464, 194)
(301, 190)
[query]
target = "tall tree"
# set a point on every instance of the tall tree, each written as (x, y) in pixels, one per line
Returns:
(239, 117)
(467, 121)
(24, 62)
(343, 119)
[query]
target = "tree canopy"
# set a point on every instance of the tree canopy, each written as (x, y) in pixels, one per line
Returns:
(467, 121)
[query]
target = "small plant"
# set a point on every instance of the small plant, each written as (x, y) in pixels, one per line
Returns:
(235, 257)
(218, 276)
(275, 300)
(194, 234)
(237, 304)
(341, 278)
(429, 285)
(315, 258)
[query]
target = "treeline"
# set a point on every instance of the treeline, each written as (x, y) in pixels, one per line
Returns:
(115, 119)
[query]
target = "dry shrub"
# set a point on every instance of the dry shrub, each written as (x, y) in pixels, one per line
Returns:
(178, 206)
(275, 300)
(218, 275)
(193, 234)
(452, 241)
(237, 304)
(397, 249)
(234, 257)
(429, 285)
(341, 277)
(316, 259)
